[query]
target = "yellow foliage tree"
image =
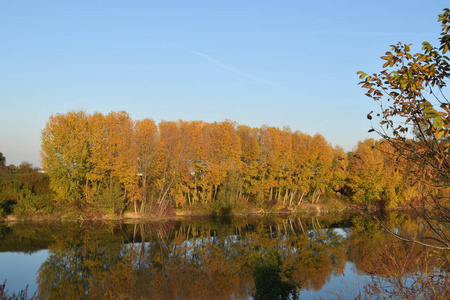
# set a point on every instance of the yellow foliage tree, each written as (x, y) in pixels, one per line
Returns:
(65, 154)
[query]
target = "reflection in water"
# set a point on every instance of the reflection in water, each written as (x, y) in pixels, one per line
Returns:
(400, 270)
(272, 258)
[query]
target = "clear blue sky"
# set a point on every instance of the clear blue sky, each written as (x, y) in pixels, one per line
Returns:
(280, 63)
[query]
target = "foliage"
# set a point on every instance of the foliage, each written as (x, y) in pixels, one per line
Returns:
(227, 199)
(414, 117)
(111, 198)
(65, 154)
(24, 191)
(377, 176)
(146, 143)
(2, 161)
(402, 91)
(221, 165)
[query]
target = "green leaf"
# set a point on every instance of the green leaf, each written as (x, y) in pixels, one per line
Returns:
(429, 112)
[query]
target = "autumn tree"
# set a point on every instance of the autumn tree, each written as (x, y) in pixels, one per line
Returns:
(172, 157)
(314, 160)
(367, 177)
(250, 154)
(221, 153)
(301, 173)
(378, 176)
(191, 178)
(275, 145)
(65, 153)
(339, 169)
(414, 115)
(90, 159)
(101, 163)
(114, 161)
(121, 158)
(146, 141)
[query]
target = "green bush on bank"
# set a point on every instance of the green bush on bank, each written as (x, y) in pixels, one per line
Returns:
(24, 191)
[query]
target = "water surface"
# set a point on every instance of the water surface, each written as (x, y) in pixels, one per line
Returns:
(206, 258)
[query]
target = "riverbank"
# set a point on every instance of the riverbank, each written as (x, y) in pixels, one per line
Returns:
(307, 209)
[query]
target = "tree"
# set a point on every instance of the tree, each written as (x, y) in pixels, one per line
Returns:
(366, 174)
(191, 175)
(221, 152)
(2, 160)
(65, 153)
(250, 154)
(172, 158)
(276, 146)
(146, 142)
(2, 163)
(114, 160)
(414, 117)
(122, 154)
(321, 163)
(339, 169)
(302, 174)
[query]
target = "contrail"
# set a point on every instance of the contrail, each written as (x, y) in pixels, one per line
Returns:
(336, 33)
(224, 66)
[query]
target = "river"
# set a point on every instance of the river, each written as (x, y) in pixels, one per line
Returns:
(273, 257)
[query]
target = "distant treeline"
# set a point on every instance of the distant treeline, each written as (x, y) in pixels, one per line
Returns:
(107, 162)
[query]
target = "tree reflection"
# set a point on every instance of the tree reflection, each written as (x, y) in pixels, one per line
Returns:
(399, 269)
(191, 260)
(409, 271)
(272, 281)
(86, 263)
(236, 259)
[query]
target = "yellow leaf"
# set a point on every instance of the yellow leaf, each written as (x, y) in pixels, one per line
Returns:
(438, 134)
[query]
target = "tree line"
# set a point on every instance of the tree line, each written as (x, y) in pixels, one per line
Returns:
(108, 162)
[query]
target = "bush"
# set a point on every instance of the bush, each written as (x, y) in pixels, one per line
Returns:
(33, 203)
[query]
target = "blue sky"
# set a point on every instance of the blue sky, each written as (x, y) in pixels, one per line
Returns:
(280, 63)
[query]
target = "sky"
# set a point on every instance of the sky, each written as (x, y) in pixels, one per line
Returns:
(276, 63)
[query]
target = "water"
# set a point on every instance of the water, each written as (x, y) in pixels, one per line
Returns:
(206, 258)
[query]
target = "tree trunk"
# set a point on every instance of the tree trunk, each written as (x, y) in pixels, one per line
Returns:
(215, 192)
(292, 196)
(144, 190)
(195, 190)
(301, 198)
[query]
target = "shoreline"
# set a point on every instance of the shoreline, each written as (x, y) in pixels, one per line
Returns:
(310, 210)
